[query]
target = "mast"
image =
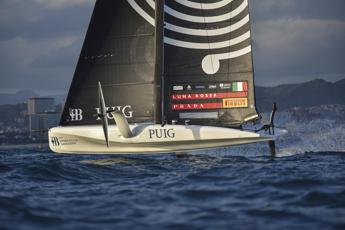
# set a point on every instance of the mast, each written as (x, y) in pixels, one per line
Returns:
(159, 62)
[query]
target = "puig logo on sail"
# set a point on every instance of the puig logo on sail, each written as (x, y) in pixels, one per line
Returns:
(78, 114)
(126, 110)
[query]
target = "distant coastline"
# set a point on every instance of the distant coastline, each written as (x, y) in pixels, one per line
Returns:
(307, 94)
(288, 96)
(310, 100)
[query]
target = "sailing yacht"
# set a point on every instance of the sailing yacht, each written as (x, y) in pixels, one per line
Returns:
(162, 76)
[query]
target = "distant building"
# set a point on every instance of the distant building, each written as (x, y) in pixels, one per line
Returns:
(40, 105)
(42, 117)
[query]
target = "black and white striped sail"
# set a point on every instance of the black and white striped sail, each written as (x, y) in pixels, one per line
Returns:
(206, 74)
(208, 62)
(118, 51)
(208, 70)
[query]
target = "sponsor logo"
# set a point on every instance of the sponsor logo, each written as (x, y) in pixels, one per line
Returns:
(204, 96)
(55, 141)
(200, 87)
(189, 87)
(178, 88)
(76, 114)
(161, 133)
(126, 110)
(229, 103)
(195, 106)
(212, 86)
(194, 96)
(225, 85)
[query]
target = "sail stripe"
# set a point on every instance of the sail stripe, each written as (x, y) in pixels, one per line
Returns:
(214, 45)
(199, 6)
(198, 19)
(204, 6)
(183, 30)
(213, 32)
(141, 12)
(151, 3)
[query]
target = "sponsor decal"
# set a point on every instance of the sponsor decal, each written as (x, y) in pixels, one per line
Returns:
(197, 106)
(65, 142)
(200, 87)
(199, 115)
(232, 95)
(225, 85)
(76, 114)
(228, 103)
(203, 96)
(232, 86)
(55, 141)
(240, 87)
(161, 133)
(126, 110)
(235, 103)
(178, 88)
(194, 96)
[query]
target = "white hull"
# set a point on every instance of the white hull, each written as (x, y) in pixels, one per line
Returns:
(148, 138)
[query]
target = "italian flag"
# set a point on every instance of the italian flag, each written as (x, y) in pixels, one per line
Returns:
(240, 87)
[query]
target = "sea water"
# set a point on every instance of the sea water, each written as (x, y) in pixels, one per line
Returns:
(303, 187)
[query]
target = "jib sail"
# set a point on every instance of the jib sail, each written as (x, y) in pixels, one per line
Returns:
(118, 51)
(208, 70)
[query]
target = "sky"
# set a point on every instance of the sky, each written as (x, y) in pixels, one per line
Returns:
(294, 41)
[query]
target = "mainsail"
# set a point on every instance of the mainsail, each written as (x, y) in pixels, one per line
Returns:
(208, 70)
(118, 51)
(203, 50)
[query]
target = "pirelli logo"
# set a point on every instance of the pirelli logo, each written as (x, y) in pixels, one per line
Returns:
(229, 103)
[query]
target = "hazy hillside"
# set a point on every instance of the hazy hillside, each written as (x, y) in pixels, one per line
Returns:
(17, 98)
(316, 92)
(23, 95)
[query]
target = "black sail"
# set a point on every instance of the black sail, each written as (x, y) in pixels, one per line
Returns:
(208, 70)
(204, 53)
(118, 51)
